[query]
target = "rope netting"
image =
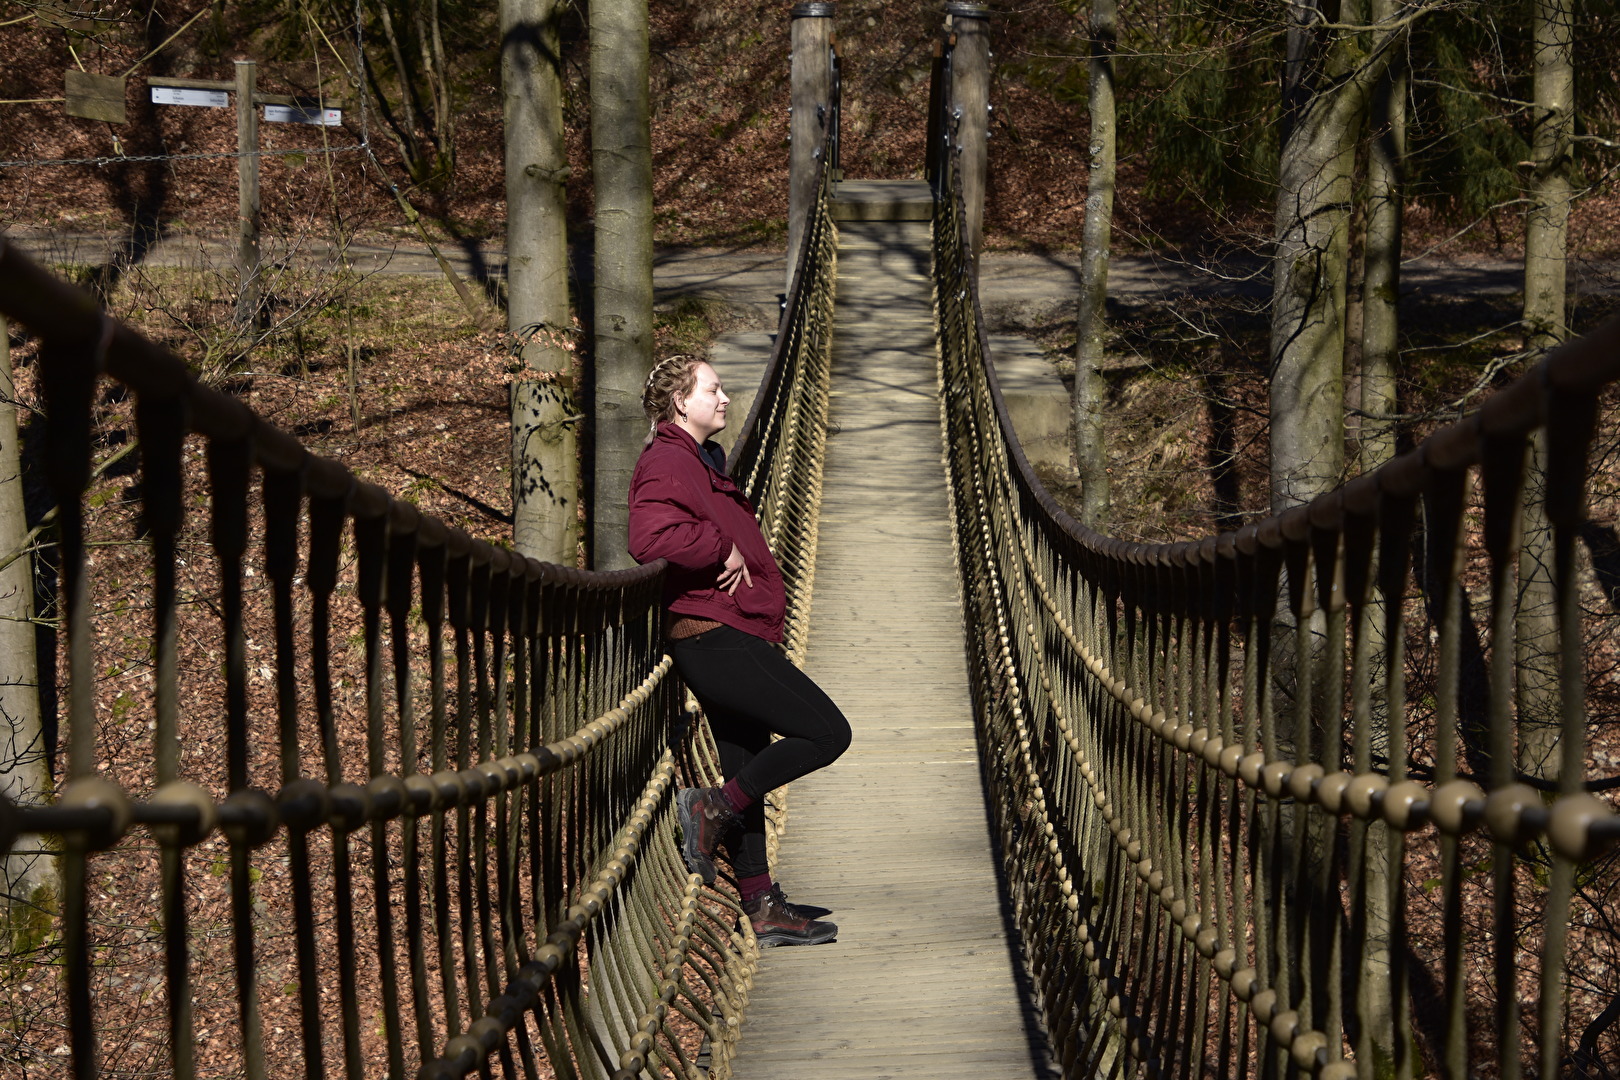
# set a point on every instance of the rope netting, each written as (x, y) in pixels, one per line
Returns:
(412, 812)
(1244, 844)
(783, 442)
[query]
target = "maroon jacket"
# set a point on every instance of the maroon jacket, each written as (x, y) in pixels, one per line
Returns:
(683, 508)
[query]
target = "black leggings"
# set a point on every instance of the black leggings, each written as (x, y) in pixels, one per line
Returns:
(750, 691)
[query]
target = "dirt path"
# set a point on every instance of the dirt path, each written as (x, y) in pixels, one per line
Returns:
(753, 279)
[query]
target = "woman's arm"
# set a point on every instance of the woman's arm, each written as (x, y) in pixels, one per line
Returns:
(664, 524)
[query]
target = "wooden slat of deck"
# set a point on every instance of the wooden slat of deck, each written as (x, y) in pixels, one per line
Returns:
(894, 836)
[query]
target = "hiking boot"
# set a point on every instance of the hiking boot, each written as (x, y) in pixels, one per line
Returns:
(798, 911)
(705, 818)
(776, 923)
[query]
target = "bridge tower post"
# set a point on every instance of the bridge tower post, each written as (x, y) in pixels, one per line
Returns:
(968, 27)
(811, 84)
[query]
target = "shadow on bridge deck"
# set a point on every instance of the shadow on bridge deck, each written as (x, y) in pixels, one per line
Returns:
(923, 979)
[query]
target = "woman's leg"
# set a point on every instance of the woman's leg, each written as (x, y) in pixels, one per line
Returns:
(745, 680)
(739, 739)
(749, 690)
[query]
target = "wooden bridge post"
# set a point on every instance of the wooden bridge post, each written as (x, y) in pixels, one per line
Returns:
(812, 75)
(969, 26)
(247, 196)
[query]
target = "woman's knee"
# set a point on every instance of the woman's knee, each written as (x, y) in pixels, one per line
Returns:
(835, 739)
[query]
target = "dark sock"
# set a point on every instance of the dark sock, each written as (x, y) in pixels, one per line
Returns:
(735, 798)
(754, 886)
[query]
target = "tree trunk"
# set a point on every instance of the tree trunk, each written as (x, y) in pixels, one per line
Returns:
(29, 884)
(1308, 295)
(1375, 444)
(1546, 238)
(1090, 393)
(1314, 189)
(407, 97)
(1354, 306)
(621, 163)
(545, 453)
(1381, 281)
(1302, 62)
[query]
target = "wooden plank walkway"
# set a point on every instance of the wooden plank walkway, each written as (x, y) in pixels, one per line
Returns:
(894, 837)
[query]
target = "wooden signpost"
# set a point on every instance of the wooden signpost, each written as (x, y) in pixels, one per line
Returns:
(278, 108)
(247, 196)
(101, 97)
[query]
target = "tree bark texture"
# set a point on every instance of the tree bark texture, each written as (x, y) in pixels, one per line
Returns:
(1302, 61)
(1546, 238)
(1307, 316)
(545, 452)
(1090, 393)
(621, 163)
(24, 775)
(1375, 444)
(1381, 282)
(1309, 277)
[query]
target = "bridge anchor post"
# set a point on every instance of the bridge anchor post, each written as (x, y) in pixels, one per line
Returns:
(968, 28)
(811, 84)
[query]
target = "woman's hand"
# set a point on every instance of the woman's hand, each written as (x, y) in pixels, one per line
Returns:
(733, 572)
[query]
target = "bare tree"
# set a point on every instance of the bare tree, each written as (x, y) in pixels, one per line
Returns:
(1381, 283)
(1375, 444)
(1329, 83)
(621, 163)
(424, 132)
(1546, 240)
(545, 454)
(29, 877)
(1090, 393)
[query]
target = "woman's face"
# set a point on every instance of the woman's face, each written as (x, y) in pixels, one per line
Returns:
(703, 411)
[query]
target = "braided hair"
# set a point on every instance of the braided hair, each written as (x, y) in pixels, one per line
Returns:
(672, 377)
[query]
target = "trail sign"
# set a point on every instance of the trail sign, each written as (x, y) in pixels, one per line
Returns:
(303, 114)
(95, 97)
(182, 95)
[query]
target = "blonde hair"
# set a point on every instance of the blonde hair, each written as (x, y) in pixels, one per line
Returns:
(672, 377)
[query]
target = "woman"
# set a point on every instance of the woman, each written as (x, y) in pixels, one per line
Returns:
(725, 599)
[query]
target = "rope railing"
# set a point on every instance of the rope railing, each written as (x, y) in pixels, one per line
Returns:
(779, 452)
(393, 800)
(778, 456)
(1240, 840)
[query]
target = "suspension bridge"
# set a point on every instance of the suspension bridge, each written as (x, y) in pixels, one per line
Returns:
(1112, 808)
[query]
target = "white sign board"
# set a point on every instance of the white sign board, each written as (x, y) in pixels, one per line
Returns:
(303, 114)
(179, 95)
